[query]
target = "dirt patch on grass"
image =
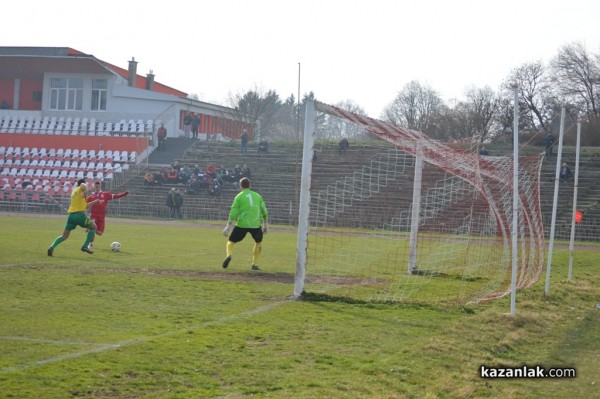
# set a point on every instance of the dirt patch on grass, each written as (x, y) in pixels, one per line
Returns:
(249, 276)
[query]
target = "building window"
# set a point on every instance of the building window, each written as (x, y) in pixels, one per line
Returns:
(99, 94)
(66, 94)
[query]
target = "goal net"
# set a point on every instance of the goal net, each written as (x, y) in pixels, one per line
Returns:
(401, 217)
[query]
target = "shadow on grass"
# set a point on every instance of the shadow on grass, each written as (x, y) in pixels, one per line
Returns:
(317, 297)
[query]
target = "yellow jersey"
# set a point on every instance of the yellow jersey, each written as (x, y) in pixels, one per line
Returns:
(78, 200)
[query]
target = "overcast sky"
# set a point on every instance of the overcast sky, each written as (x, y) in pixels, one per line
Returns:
(365, 52)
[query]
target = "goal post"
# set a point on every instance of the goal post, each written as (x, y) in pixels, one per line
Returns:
(401, 217)
(304, 202)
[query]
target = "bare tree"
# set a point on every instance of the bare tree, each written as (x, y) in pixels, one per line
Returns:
(503, 123)
(452, 121)
(258, 107)
(577, 74)
(335, 128)
(480, 106)
(535, 94)
(415, 107)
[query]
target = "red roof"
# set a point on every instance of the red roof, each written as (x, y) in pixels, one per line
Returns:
(33, 62)
(140, 81)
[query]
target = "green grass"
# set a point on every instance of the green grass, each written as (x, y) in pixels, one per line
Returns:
(162, 319)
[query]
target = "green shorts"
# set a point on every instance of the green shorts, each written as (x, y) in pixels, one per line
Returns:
(78, 219)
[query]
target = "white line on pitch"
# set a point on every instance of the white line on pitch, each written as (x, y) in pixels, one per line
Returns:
(104, 347)
(47, 341)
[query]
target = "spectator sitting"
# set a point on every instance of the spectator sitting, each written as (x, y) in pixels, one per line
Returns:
(483, 151)
(263, 146)
(164, 172)
(159, 178)
(211, 170)
(343, 146)
(173, 176)
(185, 173)
(149, 179)
(246, 171)
(194, 186)
(236, 176)
(223, 175)
(175, 165)
(565, 172)
(197, 170)
(237, 173)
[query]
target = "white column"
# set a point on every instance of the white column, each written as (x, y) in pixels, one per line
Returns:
(416, 209)
(304, 210)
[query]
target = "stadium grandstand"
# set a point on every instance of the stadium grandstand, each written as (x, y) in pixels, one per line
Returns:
(67, 115)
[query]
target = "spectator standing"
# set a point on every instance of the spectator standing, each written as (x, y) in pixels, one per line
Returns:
(244, 142)
(178, 203)
(249, 213)
(187, 122)
(549, 142)
(343, 146)
(171, 202)
(195, 125)
(162, 136)
(98, 210)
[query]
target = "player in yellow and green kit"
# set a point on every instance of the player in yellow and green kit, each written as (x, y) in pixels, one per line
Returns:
(249, 213)
(77, 217)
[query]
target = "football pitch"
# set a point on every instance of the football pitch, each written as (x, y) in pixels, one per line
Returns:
(163, 319)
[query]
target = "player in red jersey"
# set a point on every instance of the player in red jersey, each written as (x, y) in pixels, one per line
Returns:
(98, 211)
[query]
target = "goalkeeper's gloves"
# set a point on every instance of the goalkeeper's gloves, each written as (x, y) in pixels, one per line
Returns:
(226, 229)
(265, 228)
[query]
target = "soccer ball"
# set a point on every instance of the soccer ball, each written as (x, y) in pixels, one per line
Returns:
(115, 246)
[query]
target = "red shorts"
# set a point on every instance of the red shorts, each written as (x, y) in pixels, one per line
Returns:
(99, 225)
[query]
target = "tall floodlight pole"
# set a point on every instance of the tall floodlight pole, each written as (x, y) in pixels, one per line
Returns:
(299, 132)
(299, 138)
(515, 207)
(575, 185)
(555, 203)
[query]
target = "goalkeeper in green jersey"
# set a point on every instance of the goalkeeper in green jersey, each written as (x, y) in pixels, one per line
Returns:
(249, 214)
